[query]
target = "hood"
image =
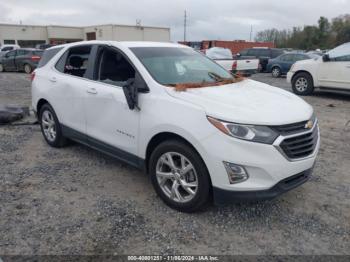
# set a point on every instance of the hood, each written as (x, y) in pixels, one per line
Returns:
(248, 102)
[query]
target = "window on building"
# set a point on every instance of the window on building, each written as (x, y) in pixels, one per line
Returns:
(30, 43)
(9, 42)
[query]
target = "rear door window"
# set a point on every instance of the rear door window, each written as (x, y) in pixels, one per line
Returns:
(47, 55)
(75, 61)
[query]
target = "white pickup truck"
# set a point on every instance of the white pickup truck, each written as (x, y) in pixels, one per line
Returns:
(223, 57)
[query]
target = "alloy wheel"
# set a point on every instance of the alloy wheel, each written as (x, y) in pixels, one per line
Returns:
(276, 72)
(177, 177)
(48, 125)
(27, 69)
(301, 84)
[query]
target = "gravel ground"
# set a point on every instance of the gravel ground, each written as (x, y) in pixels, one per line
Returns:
(77, 201)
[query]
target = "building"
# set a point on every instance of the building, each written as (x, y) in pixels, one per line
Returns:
(235, 46)
(31, 35)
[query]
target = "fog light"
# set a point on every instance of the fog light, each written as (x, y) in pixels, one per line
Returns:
(236, 173)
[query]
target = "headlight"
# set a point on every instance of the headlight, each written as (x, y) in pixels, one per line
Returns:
(260, 134)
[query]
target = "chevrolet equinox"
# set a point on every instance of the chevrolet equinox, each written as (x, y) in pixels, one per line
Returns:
(200, 132)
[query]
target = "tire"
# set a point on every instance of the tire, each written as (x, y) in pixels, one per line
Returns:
(50, 127)
(2, 69)
(27, 68)
(303, 84)
(169, 185)
(276, 72)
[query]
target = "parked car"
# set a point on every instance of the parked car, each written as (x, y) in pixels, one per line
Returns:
(223, 56)
(263, 54)
(5, 48)
(23, 59)
(233, 139)
(330, 72)
(281, 64)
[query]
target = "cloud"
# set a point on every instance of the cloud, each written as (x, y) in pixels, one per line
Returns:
(207, 19)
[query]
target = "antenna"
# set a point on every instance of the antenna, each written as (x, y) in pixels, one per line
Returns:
(185, 25)
(251, 32)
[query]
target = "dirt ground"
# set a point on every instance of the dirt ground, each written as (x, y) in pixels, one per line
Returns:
(76, 201)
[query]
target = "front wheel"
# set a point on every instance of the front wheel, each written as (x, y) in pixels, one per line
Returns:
(179, 176)
(276, 72)
(302, 84)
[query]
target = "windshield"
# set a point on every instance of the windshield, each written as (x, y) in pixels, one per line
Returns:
(173, 65)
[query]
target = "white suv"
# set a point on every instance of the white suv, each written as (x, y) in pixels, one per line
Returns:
(233, 140)
(330, 72)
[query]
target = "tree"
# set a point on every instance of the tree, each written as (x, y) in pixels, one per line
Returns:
(324, 35)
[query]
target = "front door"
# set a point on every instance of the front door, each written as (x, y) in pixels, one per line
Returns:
(110, 123)
(336, 72)
(8, 60)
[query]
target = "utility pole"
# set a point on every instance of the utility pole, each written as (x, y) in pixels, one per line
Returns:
(251, 32)
(185, 25)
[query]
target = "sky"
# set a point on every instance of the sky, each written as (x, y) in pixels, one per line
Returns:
(207, 19)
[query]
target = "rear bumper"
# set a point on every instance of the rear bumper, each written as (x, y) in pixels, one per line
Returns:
(222, 197)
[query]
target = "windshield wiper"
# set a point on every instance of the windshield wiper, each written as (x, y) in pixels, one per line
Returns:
(216, 77)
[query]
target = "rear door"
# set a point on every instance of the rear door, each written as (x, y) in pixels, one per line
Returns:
(336, 72)
(69, 82)
(111, 125)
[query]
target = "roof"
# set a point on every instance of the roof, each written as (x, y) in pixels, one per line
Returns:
(82, 27)
(123, 43)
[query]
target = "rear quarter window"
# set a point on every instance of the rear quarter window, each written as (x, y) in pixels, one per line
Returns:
(47, 55)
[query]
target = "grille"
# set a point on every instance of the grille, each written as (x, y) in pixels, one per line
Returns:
(291, 128)
(300, 146)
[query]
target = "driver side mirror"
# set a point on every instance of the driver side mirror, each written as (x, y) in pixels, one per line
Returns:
(326, 58)
(131, 89)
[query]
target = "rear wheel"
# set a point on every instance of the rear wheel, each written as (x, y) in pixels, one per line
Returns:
(2, 69)
(27, 68)
(179, 176)
(276, 72)
(50, 127)
(302, 84)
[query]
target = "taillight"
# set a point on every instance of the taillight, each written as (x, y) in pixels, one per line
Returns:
(35, 58)
(32, 76)
(234, 65)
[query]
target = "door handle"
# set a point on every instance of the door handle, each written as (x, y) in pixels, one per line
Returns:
(92, 91)
(53, 79)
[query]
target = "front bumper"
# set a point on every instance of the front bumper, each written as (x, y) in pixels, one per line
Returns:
(289, 77)
(222, 197)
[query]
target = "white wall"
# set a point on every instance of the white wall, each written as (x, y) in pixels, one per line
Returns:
(61, 32)
(18, 32)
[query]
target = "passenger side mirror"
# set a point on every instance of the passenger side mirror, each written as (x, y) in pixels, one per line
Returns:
(326, 58)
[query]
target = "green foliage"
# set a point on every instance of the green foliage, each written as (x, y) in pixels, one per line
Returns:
(325, 35)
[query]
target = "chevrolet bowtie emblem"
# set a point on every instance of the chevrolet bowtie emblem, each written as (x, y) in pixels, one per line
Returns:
(309, 124)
